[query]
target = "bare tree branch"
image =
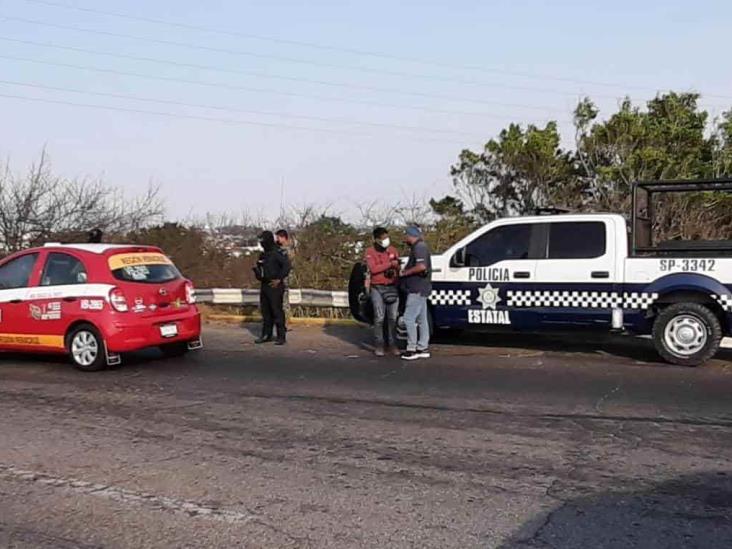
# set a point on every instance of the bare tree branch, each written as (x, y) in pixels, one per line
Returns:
(41, 206)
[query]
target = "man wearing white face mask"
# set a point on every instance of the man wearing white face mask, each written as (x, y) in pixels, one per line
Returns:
(382, 260)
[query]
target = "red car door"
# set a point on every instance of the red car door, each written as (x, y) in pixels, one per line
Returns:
(55, 302)
(17, 274)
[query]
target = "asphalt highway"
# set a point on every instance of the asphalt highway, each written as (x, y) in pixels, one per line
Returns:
(497, 441)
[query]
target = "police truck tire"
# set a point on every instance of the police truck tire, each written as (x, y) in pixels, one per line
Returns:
(358, 301)
(86, 348)
(687, 334)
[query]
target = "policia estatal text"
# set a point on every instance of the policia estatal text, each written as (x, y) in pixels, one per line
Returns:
(271, 270)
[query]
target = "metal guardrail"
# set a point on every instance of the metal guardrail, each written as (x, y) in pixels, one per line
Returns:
(303, 297)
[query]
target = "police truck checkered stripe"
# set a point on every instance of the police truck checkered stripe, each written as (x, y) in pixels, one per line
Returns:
(583, 299)
(725, 301)
(639, 300)
(450, 297)
(563, 298)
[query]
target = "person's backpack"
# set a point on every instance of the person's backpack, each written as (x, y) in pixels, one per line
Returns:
(259, 270)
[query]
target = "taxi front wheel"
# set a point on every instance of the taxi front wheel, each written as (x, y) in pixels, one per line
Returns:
(86, 348)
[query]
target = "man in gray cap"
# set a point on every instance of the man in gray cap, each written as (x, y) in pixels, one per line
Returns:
(417, 283)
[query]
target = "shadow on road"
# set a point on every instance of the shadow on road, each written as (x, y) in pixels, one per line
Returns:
(138, 358)
(360, 335)
(580, 342)
(686, 512)
(254, 328)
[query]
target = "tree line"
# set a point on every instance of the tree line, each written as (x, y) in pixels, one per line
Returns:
(516, 172)
(525, 168)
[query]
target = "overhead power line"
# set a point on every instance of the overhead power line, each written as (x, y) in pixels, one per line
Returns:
(258, 55)
(329, 83)
(228, 121)
(237, 87)
(229, 109)
(341, 49)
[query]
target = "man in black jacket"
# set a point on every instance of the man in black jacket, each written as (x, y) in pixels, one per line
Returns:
(271, 270)
(282, 239)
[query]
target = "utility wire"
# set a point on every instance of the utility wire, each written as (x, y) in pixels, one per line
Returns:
(228, 121)
(401, 74)
(228, 109)
(291, 78)
(236, 87)
(326, 47)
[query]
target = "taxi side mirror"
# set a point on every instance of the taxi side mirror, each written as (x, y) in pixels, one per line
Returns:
(460, 258)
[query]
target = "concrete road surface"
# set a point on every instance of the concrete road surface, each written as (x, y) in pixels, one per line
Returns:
(532, 442)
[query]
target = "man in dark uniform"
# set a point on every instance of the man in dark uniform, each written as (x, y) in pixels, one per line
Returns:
(271, 270)
(282, 238)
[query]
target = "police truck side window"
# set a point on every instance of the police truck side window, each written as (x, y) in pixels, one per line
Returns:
(577, 240)
(502, 243)
(16, 273)
(63, 269)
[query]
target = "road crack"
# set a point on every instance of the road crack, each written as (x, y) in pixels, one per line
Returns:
(122, 495)
(603, 398)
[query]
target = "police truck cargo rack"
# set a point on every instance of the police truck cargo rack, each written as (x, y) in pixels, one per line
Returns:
(569, 272)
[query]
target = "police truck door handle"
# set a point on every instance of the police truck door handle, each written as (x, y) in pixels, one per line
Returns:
(600, 274)
(522, 274)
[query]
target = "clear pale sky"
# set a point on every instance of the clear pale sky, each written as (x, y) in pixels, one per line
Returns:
(486, 64)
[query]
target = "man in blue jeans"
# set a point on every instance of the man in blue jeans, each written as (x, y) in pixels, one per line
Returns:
(416, 282)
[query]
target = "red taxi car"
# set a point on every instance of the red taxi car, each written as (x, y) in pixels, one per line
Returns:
(95, 301)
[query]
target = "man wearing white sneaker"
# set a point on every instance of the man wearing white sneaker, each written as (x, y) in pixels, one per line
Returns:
(416, 282)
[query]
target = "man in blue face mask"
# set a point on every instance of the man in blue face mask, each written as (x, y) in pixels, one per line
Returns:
(417, 283)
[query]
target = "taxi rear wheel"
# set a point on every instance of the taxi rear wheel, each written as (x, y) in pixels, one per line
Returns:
(86, 348)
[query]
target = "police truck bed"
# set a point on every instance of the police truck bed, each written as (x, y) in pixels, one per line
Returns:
(643, 219)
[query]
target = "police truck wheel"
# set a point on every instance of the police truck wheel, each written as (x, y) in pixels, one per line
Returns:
(687, 334)
(86, 348)
(358, 301)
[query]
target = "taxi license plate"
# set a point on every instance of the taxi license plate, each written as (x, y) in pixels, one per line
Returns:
(168, 330)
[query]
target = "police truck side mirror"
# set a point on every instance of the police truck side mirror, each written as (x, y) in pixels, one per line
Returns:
(460, 258)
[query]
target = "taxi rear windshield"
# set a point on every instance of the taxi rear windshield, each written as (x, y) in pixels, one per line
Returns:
(150, 268)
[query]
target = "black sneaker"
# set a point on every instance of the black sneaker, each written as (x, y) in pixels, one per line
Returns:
(424, 354)
(262, 339)
(410, 355)
(281, 342)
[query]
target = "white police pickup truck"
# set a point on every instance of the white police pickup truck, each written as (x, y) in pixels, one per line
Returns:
(571, 272)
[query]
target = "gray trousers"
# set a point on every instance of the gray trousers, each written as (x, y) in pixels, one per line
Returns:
(384, 312)
(416, 318)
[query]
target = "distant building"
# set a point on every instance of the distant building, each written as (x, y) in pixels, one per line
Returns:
(235, 240)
